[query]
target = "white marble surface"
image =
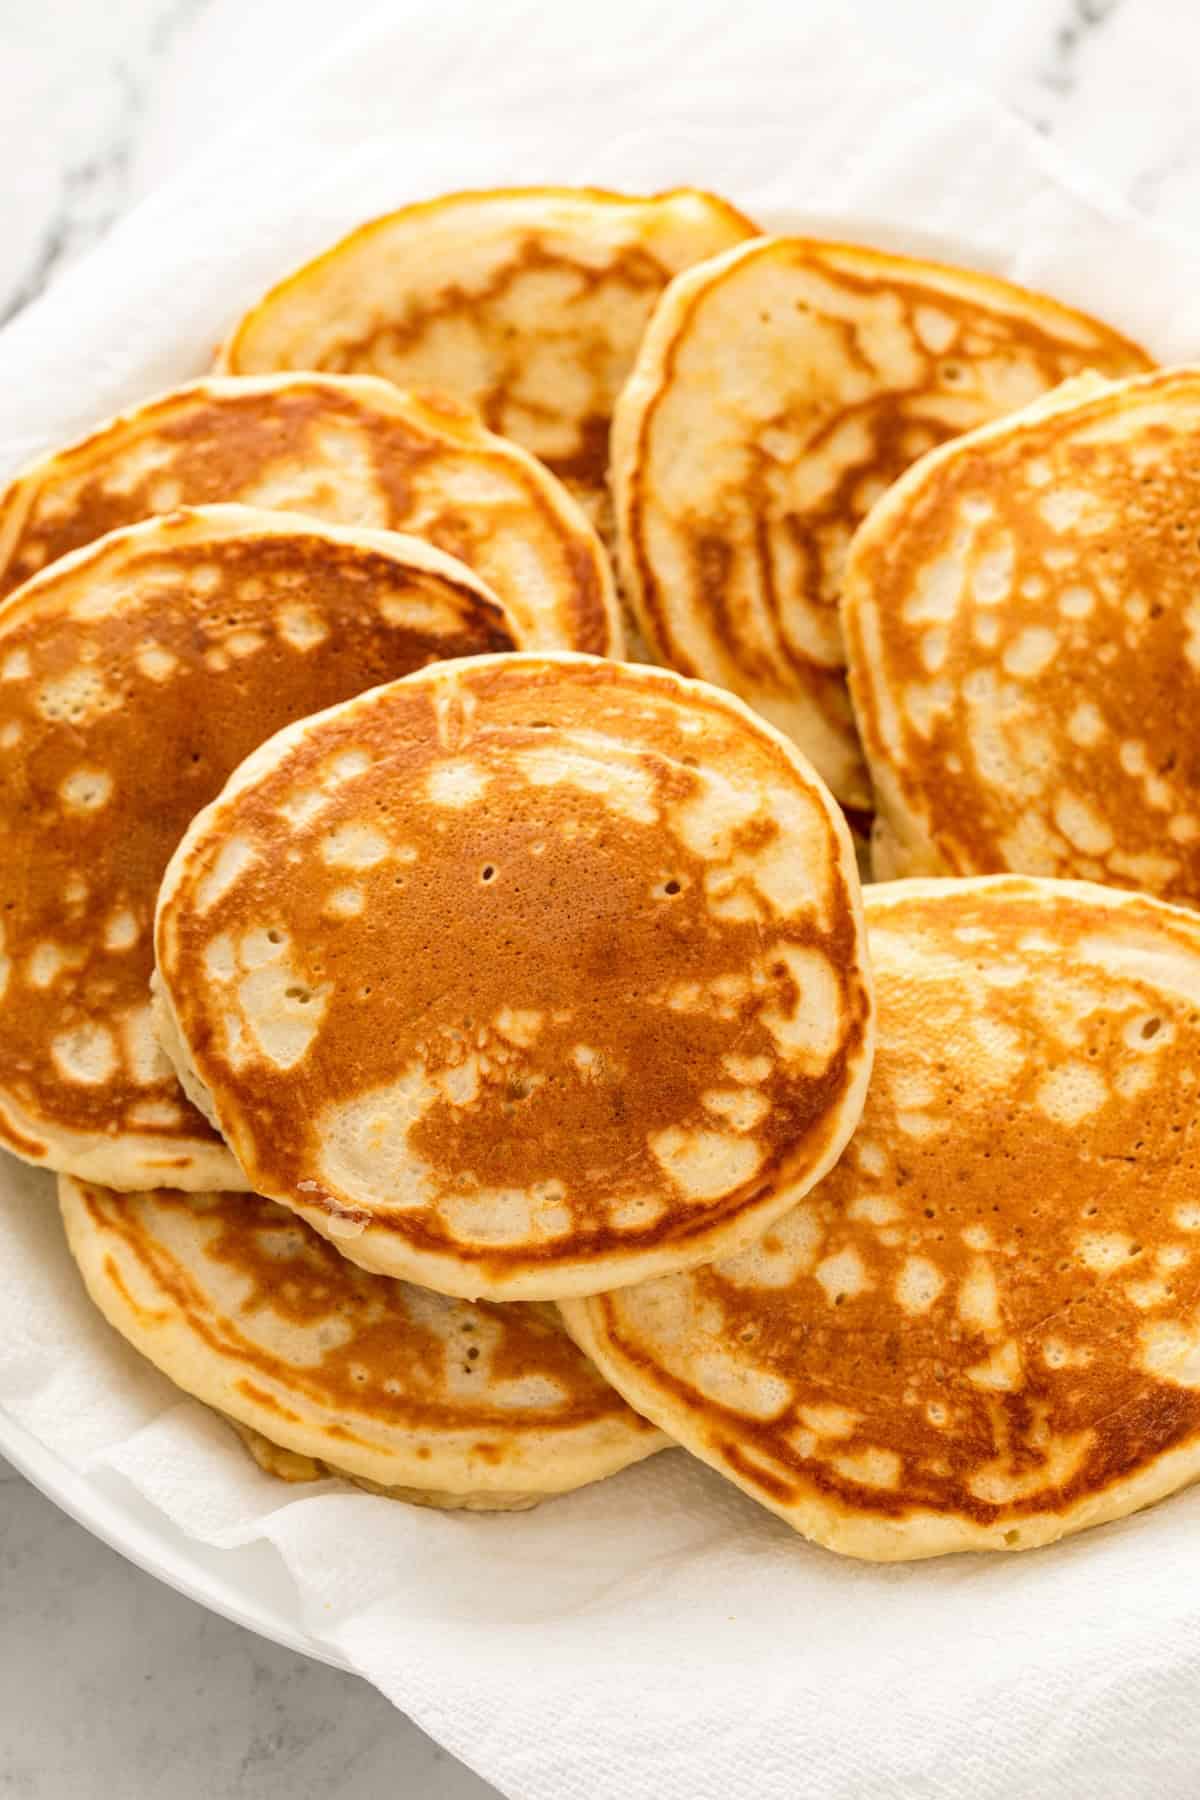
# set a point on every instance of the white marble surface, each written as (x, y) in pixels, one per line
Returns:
(112, 1684)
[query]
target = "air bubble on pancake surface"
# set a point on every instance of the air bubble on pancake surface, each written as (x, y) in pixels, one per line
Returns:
(86, 1054)
(740, 1109)
(1030, 845)
(727, 1379)
(155, 663)
(354, 846)
(918, 1284)
(938, 590)
(508, 1216)
(748, 1070)
(235, 856)
(1104, 1251)
(1148, 1294)
(978, 1302)
(76, 697)
(625, 786)
(872, 1467)
(936, 329)
(705, 1164)
(1031, 651)
(876, 1209)
(283, 1014)
(870, 1157)
(346, 766)
(220, 961)
(1086, 726)
(457, 784)
(86, 790)
(345, 903)
(843, 1276)
(1001, 1372)
(364, 1143)
(635, 1213)
(1071, 1093)
(998, 1483)
(829, 1421)
(1076, 601)
(520, 1026)
(808, 1030)
(1064, 508)
(159, 1115)
(788, 1250)
(241, 644)
(46, 962)
(992, 575)
(1170, 1352)
(303, 806)
(301, 628)
(1082, 825)
(120, 930)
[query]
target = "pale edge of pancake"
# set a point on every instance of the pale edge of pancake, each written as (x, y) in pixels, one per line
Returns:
(921, 1533)
(148, 1161)
(900, 841)
(465, 432)
(555, 1461)
(376, 1247)
(631, 419)
(434, 210)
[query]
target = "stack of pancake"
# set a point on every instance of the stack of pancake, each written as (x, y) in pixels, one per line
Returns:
(438, 967)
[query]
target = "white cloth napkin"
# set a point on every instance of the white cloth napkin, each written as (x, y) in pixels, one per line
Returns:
(656, 1635)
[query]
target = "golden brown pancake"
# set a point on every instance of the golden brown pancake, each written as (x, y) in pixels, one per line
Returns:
(351, 450)
(1024, 637)
(324, 1369)
(528, 303)
(982, 1330)
(561, 984)
(778, 391)
(134, 676)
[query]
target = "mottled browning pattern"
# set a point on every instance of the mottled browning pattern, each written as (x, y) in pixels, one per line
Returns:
(528, 303)
(778, 393)
(989, 1310)
(242, 1303)
(572, 966)
(1024, 626)
(351, 452)
(131, 684)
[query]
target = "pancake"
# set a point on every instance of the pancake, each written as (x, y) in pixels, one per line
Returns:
(779, 389)
(134, 676)
(982, 1330)
(1024, 636)
(325, 1369)
(564, 984)
(351, 450)
(529, 303)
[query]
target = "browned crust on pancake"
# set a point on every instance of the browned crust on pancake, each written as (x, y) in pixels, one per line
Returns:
(584, 935)
(1007, 1397)
(1086, 687)
(222, 438)
(393, 1385)
(172, 699)
(584, 468)
(902, 424)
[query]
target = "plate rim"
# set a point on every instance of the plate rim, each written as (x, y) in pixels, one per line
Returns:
(162, 1551)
